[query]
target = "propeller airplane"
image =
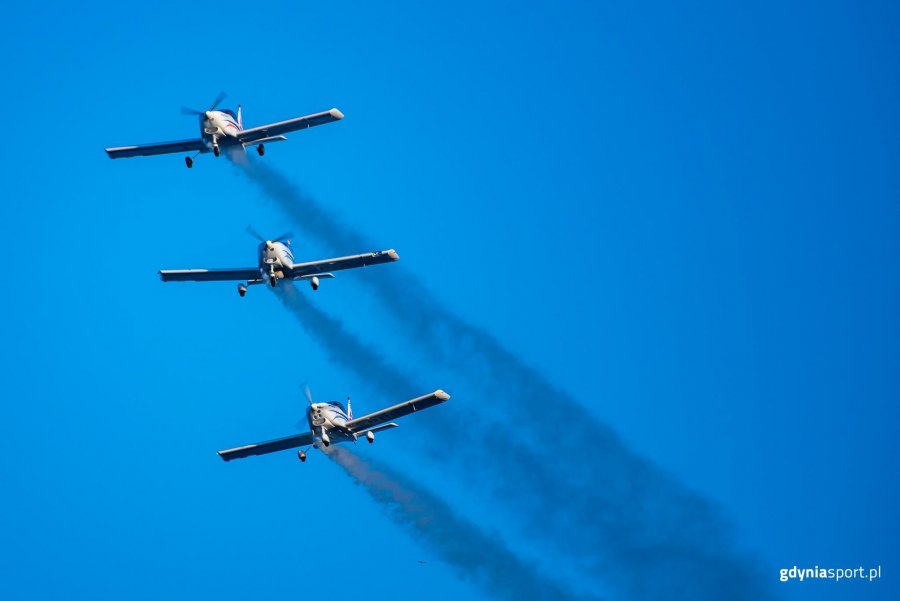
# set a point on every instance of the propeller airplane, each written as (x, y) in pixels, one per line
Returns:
(224, 129)
(276, 263)
(331, 423)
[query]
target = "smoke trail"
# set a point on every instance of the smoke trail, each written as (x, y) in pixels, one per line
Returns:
(600, 523)
(641, 528)
(484, 559)
(342, 347)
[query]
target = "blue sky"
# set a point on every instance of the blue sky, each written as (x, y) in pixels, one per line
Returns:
(685, 218)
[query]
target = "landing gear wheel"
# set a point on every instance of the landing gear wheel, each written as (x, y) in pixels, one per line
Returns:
(301, 455)
(216, 150)
(189, 162)
(261, 150)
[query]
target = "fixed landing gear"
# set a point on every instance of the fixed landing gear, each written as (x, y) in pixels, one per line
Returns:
(301, 455)
(261, 149)
(189, 162)
(216, 150)
(242, 289)
(370, 436)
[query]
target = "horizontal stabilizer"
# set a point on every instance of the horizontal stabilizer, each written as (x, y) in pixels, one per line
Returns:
(380, 428)
(266, 140)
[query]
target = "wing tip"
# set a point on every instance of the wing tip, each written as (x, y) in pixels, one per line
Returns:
(166, 274)
(336, 114)
(441, 395)
(392, 254)
(235, 453)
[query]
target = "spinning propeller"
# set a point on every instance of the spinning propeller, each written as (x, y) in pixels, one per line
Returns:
(285, 237)
(189, 111)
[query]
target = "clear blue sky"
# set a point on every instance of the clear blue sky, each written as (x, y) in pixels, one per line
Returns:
(684, 217)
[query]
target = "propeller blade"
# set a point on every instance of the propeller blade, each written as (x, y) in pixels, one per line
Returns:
(284, 236)
(219, 99)
(307, 393)
(189, 111)
(254, 233)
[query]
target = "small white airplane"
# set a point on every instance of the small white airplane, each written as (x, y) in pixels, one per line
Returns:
(333, 423)
(276, 263)
(225, 129)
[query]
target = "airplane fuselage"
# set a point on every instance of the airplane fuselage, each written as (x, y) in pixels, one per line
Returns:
(274, 258)
(327, 422)
(220, 128)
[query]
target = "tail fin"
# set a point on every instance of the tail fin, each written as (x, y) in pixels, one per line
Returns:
(349, 409)
(240, 121)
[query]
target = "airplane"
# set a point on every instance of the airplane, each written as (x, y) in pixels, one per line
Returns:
(225, 129)
(276, 263)
(331, 423)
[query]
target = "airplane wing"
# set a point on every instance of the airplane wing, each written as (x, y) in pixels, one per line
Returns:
(385, 415)
(270, 446)
(209, 275)
(255, 134)
(124, 152)
(301, 270)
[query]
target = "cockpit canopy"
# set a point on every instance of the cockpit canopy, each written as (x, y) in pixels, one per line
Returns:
(229, 112)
